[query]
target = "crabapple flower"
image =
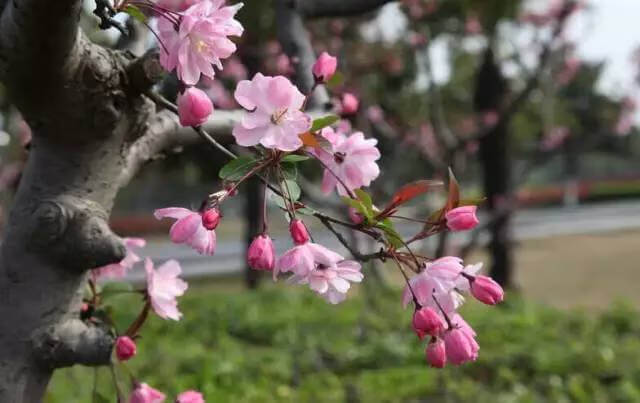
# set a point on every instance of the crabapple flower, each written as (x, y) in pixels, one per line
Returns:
(350, 104)
(299, 232)
(261, 254)
(437, 281)
(436, 353)
(190, 396)
(200, 41)
(462, 218)
(486, 290)
(460, 345)
(276, 120)
(211, 219)
(144, 393)
(194, 107)
(355, 216)
(325, 67)
(326, 272)
(119, 270)
(352, 159)
(426, 321)
(189, 229)
(163, 287)
(125, 348)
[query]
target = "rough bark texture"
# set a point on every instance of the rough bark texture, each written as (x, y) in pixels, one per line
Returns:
(85, 108)
(490, 95)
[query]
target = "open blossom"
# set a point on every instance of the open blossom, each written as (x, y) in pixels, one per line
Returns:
(200, 41)
(462, 218)
(190, 396)
(352, 159)
(189, 229)
(276, 120)
(144, 393)
(163, 287)
(326, 272)
(194, 107)
(119, 270)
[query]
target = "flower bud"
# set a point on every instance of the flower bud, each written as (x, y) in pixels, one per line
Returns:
(125, 348)
(194, 107)
(460, 346)
(325, 67)
(486, 290)
(143, 393)
(261, 254)
(190, 396)
(350, 104)
(299, 232)
(355, 216)
(462, 218)
(211, 219)
(436, 353)
(427, 321)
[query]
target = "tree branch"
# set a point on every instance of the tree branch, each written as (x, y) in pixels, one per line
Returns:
(295, 41)
(73, 342)
(337, 8)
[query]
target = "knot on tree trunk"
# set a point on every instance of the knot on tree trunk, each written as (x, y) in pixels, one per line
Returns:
(75, 232)
(73, 342)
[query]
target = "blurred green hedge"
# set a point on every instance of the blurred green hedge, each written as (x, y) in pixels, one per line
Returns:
(290, 346)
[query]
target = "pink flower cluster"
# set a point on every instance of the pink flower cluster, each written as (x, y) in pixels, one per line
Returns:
(193, 41)
(326, 272)
(143, 393)
(436, 294)
(190, 228)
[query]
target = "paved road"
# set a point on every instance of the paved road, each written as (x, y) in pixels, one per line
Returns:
(528, 224)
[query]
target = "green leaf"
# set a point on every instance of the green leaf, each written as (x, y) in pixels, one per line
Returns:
(289, 170)
(293, 189)
(112, 289)
(323, 122)
(366, 200)
(390, 233)
(293, 158)
(135, 12)
(360, 206)
(336, 80)
(235, 169)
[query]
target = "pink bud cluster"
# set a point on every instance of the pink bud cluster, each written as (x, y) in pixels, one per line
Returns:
(436, 293)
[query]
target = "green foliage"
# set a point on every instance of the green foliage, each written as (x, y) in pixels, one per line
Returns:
(290, 346)
(235, 169)
(323, 122)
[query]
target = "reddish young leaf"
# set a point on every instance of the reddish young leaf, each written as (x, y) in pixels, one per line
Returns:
(454, 193)
(408, 192)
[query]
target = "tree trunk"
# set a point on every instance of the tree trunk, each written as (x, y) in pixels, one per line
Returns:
(86, 111)
(490, 94)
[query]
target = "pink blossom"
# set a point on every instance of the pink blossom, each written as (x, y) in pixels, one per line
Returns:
(462, 218)
(283, 65)
(220, 96)
(325, 67)
(350, 104)
(144, 393)
(486, 290)
(326, 272)
(200, 41)
(194, 107)
(438, 280)
(472, 25)
(125, 348)
(163, 287)
(298, 232)
(190, 396)
(436, 353)
(261, 254)
(211, 219)
(460, 345)
(375, 114)
(426, 321)
(119, 270)
(188, 229)
(176, 5)
(276, 120)
(352, 159)
(235, 69)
